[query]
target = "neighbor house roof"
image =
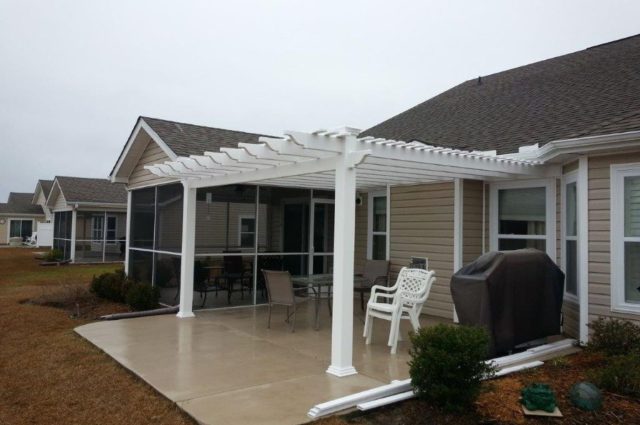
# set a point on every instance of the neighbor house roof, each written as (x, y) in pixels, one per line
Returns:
(188, 139)
(20, 203)
(46, 186)
(90, 190)
(591, 92)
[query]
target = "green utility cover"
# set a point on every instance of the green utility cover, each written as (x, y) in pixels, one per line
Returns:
(539, 397)
(586, 396)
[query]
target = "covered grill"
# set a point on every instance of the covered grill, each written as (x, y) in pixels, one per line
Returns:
(516, 295)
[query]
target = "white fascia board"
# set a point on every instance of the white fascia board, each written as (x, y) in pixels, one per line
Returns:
(580, 145)
(53, 189)
(140, 125)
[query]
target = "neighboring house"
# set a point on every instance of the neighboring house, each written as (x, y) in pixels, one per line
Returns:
(545, 155)
(40, 195)
(19, 217)
(89, 218)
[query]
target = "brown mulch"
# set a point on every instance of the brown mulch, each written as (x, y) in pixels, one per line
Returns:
(50, 375)
(499, 402)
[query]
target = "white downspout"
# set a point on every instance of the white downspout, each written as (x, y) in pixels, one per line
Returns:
(127, 234)
(583, 247)
(74, 214)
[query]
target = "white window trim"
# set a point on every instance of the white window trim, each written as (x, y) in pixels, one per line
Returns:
(10, 219)
(571, 177)
(94, 229)
(550, 226)
(240, 232)
(618, 173)
(370, 232)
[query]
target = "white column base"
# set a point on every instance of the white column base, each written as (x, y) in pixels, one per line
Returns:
(341, 372)
(185, 315)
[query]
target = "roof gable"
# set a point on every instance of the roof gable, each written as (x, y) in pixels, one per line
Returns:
(20, 203)
(82, 190)
(175, 139)
(583, 93)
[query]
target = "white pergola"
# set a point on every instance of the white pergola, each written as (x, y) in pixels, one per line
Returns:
(337, 160)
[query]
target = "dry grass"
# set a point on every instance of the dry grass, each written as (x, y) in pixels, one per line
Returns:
(50, 375)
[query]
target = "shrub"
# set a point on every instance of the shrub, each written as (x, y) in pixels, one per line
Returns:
(614, 337)
(142, 296)
(111, 286)
(447, 364)
(53, 255)
(621, 374)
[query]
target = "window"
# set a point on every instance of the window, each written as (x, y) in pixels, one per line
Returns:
(377, 240)
(570, 236)
(20, 228)
(97, 227)
(625, 237)
(112, 227)
(523, 216)
(247, 231)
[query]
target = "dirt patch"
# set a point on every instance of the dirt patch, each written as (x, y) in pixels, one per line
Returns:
(49, 374)
(499, 402)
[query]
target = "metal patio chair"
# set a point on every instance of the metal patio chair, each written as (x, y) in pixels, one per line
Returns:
(408, 294)
(375, 272)
(280, 291)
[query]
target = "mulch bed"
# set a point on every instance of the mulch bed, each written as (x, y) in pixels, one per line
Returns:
(499, 402)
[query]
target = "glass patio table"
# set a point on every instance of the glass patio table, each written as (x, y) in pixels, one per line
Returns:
(316, 282)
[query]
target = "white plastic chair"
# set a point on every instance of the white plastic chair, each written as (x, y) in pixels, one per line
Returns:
(32, 240)
(408, 294)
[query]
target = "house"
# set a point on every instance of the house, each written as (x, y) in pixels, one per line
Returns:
(19, 217)
(546, 155)
(89, 218)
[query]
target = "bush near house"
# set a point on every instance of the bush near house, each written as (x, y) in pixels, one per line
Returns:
(142, 296)
(619, 342)
(53, 255)
(447, 364)
(613, 337)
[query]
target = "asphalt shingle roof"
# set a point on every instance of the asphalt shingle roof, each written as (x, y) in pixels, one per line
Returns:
(590, 92)
(20, 203)
(82, 189)
(188, 139)
(46, 186)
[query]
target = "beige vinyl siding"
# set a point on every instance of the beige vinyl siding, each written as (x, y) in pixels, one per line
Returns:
(140, 177)
(422, 225)
(4, 231)
(571, 316)
(361, 237)
(472, 220)
(599, 234)
(61, 203)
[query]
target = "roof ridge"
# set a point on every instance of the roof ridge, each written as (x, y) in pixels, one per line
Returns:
(203, 126)
(612, 42)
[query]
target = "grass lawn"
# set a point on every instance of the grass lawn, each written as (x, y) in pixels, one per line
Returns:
(50, 375)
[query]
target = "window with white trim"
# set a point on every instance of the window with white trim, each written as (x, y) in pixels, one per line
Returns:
(97, 227)
(377, 226)
(247, 231)
(625, 238)
(570, 235)
(523, 215)
(112, 227)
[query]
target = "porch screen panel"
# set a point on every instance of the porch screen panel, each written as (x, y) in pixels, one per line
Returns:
(167, 277)
(169, 218)
(219, 218)
(89, 236)
(141, 266)
(62, 233)
(142, 217)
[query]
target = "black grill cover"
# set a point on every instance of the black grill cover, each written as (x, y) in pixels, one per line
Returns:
(516, 295)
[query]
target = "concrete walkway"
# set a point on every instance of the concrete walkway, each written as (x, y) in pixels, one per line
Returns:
(226, 367)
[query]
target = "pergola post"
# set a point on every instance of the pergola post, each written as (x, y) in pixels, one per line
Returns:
(74, 218)
(343, 246)
(188, 251)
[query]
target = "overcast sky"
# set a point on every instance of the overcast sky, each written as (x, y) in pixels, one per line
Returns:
(75, 75)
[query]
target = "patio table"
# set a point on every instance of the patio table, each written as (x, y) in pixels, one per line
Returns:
(315, 282)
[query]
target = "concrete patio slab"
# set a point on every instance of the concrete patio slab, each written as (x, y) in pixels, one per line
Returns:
(226, 367)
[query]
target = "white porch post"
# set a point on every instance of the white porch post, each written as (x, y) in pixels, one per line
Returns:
(458, 199)
(72, 255)
(127, 234)
(343, 257)
(188, 251)
(583, 247)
